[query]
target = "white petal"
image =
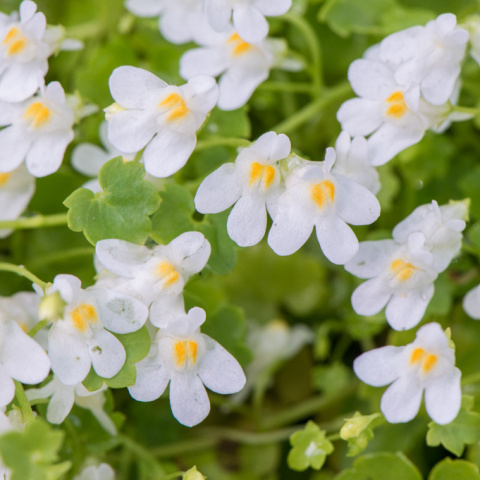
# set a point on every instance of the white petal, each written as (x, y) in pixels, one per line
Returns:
(188, 399)
(206, 61)
(370, 297)
(337, 240)
(107, 354)
(437, 86)
(88, 159)
(248, 220)
(360, 116)
(191, 251)
(273, 8)
(69, 287)
(372, 80)
(168, 152)
(220, 190)
(272, 147)
(145, 8)
(27, 10)
(406, 309)
(165, 309)
(471, 303)
(379, 367)
(152, 380)
(443, 397)
(200, 94)
(172, 26)
(218, 13)
(7, 387)
(60, 404)
(219, 370)
(372, 258)
(15, 144)
(249, 23)
(22, 80)
(401, 402)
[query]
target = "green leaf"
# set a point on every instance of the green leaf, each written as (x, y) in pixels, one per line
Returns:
(358, 431)
(464, 430)
(331, 379)
(137, 346)
(310, 448)
(32, 454)
(449, 469)
(120, 211)
(381, 466)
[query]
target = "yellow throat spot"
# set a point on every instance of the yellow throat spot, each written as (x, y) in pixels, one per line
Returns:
(397, 106)
(322, 193)
(427, 360)
(185, 351)
(4, 177)
(38, 114)
(264, 173)
(176, 106)
(83, 315)
(239, 46)
(15, 41)
(402, 270)
(167, 272)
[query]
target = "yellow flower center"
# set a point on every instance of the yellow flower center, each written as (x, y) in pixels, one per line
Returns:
(175, 105)
(397, 106)
(185, 352)
(4, 177)
(83, 315)
(15, 41)
(425, 359)
(402, 270)
(167, 273)
(322, 193)
(239, 46)
(37, 114)
(264, 174)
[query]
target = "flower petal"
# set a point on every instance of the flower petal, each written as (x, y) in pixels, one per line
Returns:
(379, 367)
(249, 23)
(401, 402)
(15, 145)
(7, 387)
(206, 61)
(372, 258)
(218, 13)
(359, 116)
(191, 251)
(370, 297)
(273, 9)
(107, 353)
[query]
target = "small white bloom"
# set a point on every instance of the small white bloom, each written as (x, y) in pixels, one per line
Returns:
(102, 472)
(427, 364)
(82, 338)
(38, 131)
(352, 162)
(386, 111)
(62, 397)
(163, 118)
(21, 358)
(400, 276)
(242, 66)
(317, 197)
(248, 16)
(16, 190)
(252, 183)
(188, 360)
(428, 57)
(442, 227)
(471, 303)
(156, 276)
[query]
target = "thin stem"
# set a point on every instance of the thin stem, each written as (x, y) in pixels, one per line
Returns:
(23, 402)
(221, 142)
(23, 272)
(328, 97)
(187, 446)
(38, 221)
(172, 475)
(61, 256)
(469, 110)
(286, 87)
(333, 437)
(312, 41)
(37, 327)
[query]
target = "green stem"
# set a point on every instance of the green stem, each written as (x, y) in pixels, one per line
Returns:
(37, 327)
(38, 221)
(312, 41)
(286, 87)
(172, 475)
(469, 110)
(187, 446)
(23, 402)
(61, 256)
(328, 97)
(333, 437)
(221, 142)
(23, 272)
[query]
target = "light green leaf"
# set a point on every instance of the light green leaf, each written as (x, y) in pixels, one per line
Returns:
(120, 211)
(310, 448)
(449, 469)
(464, 430)
(358, 431)
(381, 466)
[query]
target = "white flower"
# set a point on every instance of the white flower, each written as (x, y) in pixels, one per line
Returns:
(252, 183)
(427, 364)
(163, 118)
(21, 358)
(400, 276)
(248, 16)
(156, 276)
(386, 110)
(38, 131)
(16, 190)
(82, 338)
(102, 472)
(352, 162)
(428, 57)
(442, 227)
(473, 26)
(62, 397)
(242, 66)
(188, 360)
(471, 303)
(177, 17)
(317, 197)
